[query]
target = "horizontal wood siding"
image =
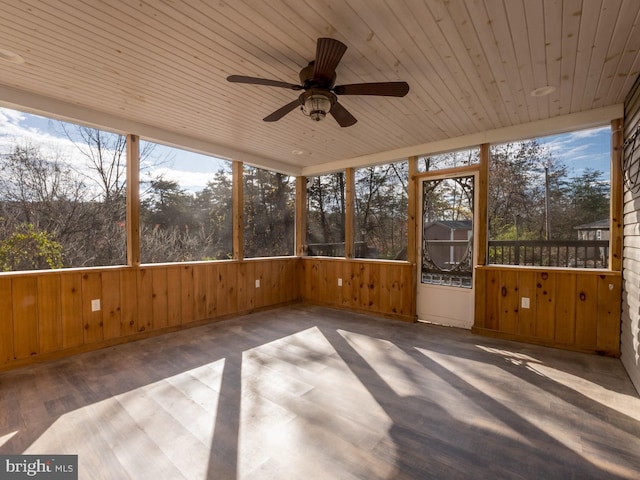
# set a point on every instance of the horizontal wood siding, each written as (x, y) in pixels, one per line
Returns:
(630, 333)
(570, 309)
(49, 314)
(384, 288)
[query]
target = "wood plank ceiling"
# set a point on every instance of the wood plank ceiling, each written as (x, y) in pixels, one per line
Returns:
(160, 66)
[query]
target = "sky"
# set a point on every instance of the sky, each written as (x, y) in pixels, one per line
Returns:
(577, 150)
(582, 149)
(191, 170)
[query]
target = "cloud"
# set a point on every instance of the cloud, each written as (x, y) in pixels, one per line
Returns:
(190, 170)
(187, 180)
(18, 126)
(9, 118)
(582, 149)
(592, 132)
(24, 129)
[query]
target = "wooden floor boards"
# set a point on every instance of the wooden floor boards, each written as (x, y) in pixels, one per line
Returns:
(309, 393)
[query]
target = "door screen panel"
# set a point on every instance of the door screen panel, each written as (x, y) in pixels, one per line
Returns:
(447, 232)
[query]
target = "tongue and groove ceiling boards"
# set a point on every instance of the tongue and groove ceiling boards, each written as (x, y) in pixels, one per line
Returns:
(159, 69)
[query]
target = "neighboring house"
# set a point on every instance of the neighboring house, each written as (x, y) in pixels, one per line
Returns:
(441, 236)
(598, 230)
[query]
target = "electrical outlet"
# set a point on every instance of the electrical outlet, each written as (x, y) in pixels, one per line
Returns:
(257, 283)
(339, 282)
(525, 302)
(95, 305)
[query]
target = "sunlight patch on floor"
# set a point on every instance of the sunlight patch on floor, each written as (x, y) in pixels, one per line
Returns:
(553, 417)
(174, 417)
(513, 357)
(5, 438)
(304, 409)
(467, 410)
(625, 404)
(399, 371)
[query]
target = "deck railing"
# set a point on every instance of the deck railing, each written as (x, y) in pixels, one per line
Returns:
(538, 253)
(335, 249)
(550, 253)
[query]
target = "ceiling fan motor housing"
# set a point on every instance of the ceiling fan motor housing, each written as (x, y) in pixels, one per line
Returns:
(307, 78)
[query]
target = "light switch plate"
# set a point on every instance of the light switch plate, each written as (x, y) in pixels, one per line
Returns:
(95, 305)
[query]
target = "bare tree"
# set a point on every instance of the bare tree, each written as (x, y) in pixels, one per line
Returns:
(40, 190)
(106, 156)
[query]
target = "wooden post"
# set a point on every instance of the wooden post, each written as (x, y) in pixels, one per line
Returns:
(414, 198)
(412, 229)
(349, 236)
(481, 233)
(482, 229)
(301, 215)
(617, 193)
(133, 200)
(238, 211)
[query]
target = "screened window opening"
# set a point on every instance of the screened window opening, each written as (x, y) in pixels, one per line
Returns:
(440, 161)
(381, 209)
(185, 206)
(269, 213)
(326, 211)
(62, 194)
(549, 201)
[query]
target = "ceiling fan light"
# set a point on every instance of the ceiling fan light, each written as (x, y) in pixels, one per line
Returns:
(317, 106)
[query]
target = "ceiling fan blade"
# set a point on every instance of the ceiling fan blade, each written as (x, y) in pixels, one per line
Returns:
(262, 81)
(282, 111)
(329, 52)
(383, 89)
(342, 115)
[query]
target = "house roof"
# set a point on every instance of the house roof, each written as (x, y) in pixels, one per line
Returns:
(597, 225)
(158, 69)
(452, 224)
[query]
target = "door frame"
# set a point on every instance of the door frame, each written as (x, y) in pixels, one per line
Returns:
(464, 316)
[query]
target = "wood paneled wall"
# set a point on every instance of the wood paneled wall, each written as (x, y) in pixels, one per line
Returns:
(571, 309)
(385, 288)
(49, 314)
(45, 315)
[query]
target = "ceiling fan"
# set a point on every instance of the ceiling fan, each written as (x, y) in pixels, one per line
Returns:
(320, 92)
